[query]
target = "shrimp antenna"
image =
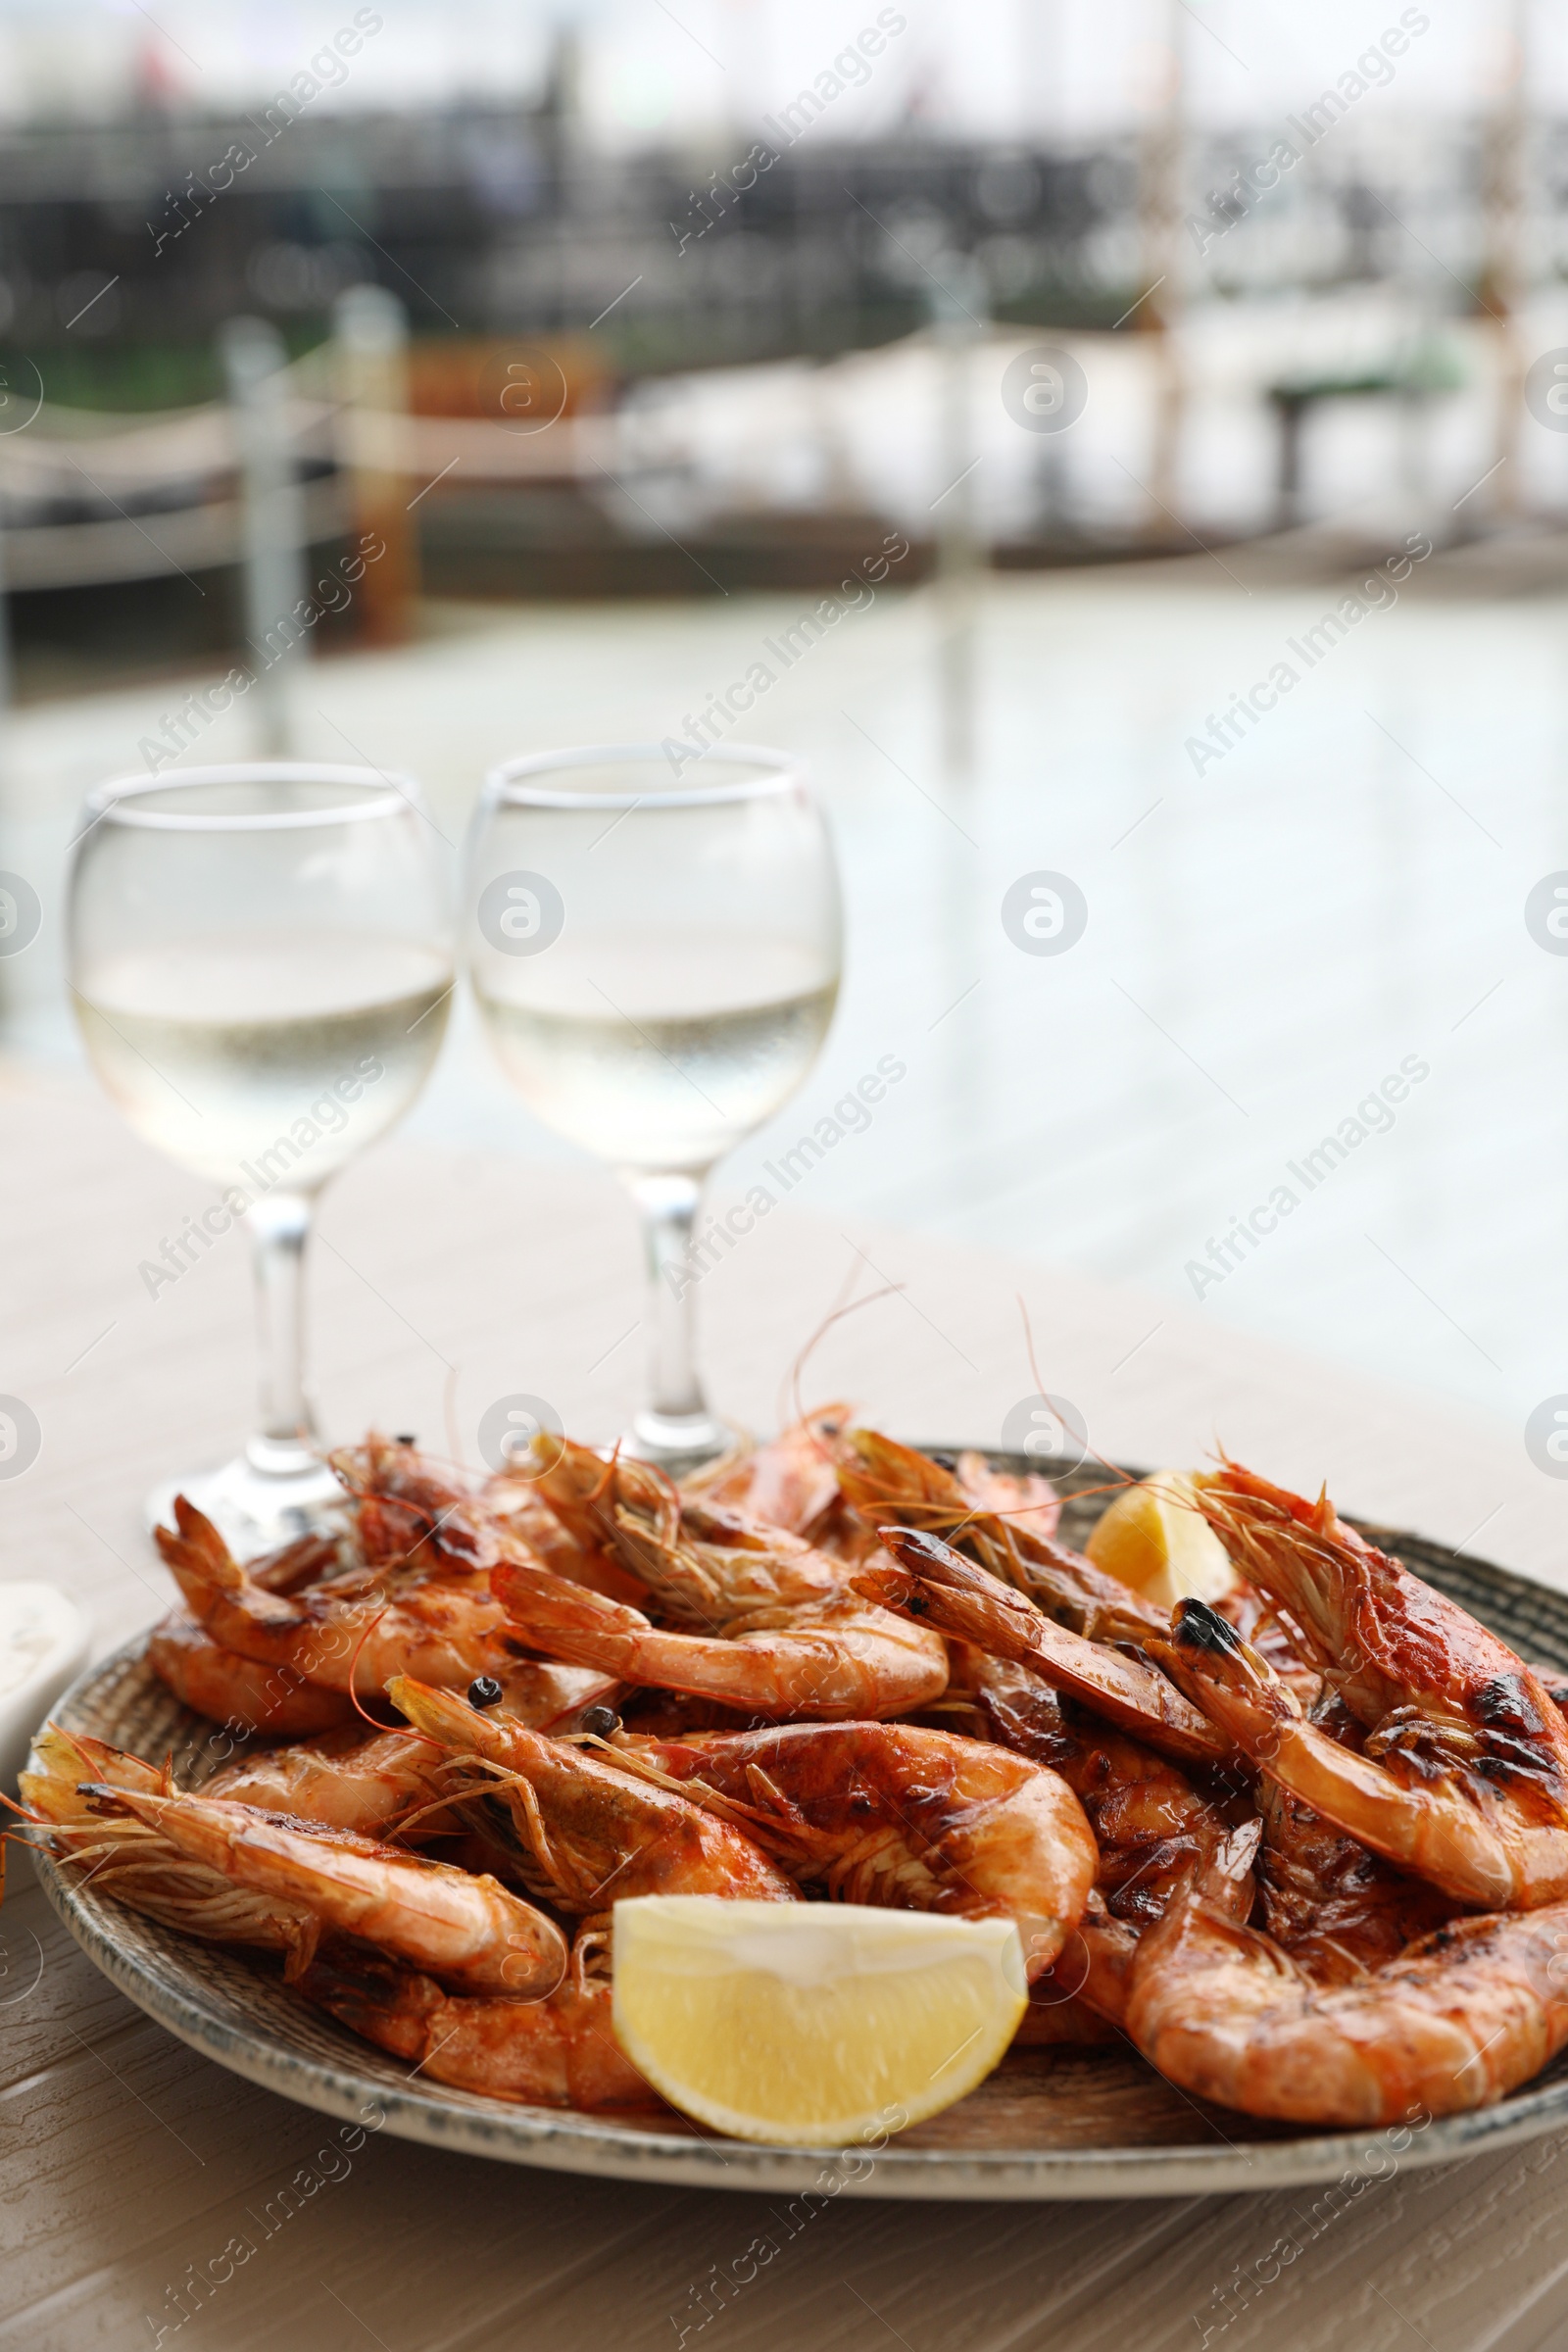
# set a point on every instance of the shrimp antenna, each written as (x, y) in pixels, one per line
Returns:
(611, 1465)
(1029, 1345)
(1119, 1477)
(353, 1696)
(791, 1379)
(399, 1829)
(836, 1315)
(662, 1478)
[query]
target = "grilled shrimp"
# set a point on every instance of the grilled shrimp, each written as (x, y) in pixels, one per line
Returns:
(133, 1863)
(351, 1780)
(304, 1560)
(1094, 1971)
(829, 1658)
(891, 1814)
(584, 1492)
(61, 1761)
(446, 1631)
(791, 1482)
(534, 1531)
(1410, 1664)
(884, 1481)
(216, 1682)
(405, 1509)
(594, 1833)
(558, 1506)
(1334, 1907)
(933, 1581)
(1463, 2017)
(551, 1697)
(559, 2052)
(1149, 1822)
(1476, 1801)
(722, 1574)
(470, 1932)
(415, 1514)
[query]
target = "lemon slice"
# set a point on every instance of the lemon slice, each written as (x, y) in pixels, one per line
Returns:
(812, 2023)
(1153, 1539)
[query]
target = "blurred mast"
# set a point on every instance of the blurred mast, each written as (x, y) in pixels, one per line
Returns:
(272, 520)
(1505, 166)
(1042, 67)
(958, 308)
(370, 367)
(1160, 156)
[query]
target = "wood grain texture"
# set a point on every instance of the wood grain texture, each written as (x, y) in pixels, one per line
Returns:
(127, 2164)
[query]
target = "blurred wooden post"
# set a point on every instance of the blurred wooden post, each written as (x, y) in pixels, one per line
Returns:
(1160, 231)
(371, 331)
(7, 670)
(273, 522)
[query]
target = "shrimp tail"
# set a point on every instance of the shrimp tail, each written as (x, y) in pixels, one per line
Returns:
(62, 1761)
(570, 1620)
(197, 1556)
(560, 2053)
(235, 1610)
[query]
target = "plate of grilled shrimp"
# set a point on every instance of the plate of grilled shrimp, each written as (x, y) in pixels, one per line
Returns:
(1279, 1811)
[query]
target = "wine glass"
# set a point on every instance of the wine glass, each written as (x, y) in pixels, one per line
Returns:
(261, 966)
(656, 961)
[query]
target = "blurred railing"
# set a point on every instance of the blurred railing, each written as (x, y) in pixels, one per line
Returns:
(190, 457)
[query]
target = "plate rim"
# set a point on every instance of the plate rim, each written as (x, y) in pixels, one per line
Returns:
(565, 2139)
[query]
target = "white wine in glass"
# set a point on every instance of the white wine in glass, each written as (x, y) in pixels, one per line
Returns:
(657, 962)
(248, 1029)
(262, 967)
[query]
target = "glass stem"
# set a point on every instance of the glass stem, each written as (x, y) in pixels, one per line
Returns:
(279, 1225)
(668, 1205)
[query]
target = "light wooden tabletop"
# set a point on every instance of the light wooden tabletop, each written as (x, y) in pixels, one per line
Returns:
(127, 2164)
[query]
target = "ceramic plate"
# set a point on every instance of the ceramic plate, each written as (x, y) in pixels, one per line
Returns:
(1048, 2123)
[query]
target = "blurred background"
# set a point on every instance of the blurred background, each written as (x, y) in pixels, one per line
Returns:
(1126, 442)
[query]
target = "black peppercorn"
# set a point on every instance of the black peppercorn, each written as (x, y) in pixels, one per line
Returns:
(483, 1691)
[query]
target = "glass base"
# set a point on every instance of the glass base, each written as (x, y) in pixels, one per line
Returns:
(256, 1511)
(679, 1443)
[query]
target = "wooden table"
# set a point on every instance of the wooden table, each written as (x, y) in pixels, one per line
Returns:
(442, 1283)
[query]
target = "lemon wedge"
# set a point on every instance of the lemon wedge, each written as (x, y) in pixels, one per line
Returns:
(1154, 1539)
(812, 2023)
